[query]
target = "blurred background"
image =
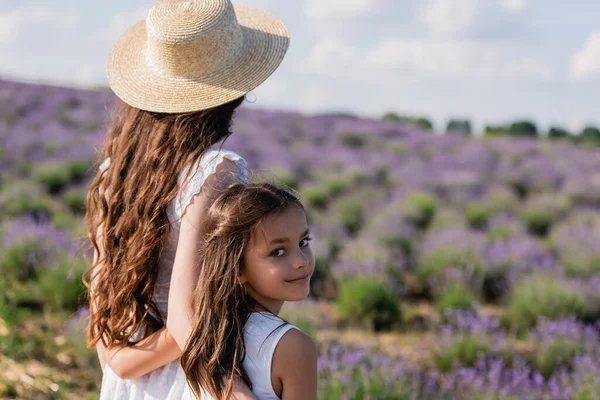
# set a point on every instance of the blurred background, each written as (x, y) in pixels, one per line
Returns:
(447, 152)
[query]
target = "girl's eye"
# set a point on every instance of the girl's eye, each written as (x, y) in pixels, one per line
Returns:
(305, 242)
(278, 252)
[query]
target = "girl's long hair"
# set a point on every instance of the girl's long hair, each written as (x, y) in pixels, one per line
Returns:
(127, 206)
(215, 349)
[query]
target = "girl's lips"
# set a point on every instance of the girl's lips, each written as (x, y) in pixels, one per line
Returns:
(302, 279)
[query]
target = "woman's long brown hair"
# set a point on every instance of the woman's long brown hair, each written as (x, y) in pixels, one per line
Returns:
(215, 350)
(127, 206)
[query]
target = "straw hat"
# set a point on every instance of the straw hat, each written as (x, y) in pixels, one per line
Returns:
(190, 55)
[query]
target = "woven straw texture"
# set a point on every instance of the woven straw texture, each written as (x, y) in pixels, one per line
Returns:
(191, 55)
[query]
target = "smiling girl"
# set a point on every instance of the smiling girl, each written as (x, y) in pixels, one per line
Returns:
(256, 257)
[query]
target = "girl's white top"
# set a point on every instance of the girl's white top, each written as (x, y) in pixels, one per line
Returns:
(262, 333)
(168, 382)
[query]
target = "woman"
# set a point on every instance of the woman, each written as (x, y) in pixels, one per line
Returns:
(180, 74)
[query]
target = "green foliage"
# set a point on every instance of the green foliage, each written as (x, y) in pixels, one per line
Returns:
(351, 214)
(477, 215)
(543, 296)
(25, 198)
(419, 121)
(315, 195)
(558, 133)
(542, 211)
(284, 176)
(517, 128)
(22, 259)
(368, 300)
(53, 177)
(447, 218)
(420, 209)
(75, 200)
(494, 130)
(61, 288)
(23, 168)
(335, 185)
(591, 134)
(464, 350)
(587, 390)
(460, 125)
(582, 266)
(560, 352)
(523, 128)
(502, 201)
(77, 169)
(321, 276)
(538, 221)
(455, 297)
(56, 286)
(355, 385)
(439, 260)
(352, 139)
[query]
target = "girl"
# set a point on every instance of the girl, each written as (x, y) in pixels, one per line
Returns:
(180, 74)
(256, 256)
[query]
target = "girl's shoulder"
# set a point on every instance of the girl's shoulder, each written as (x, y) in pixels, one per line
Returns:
(295, 346)
(267, 329)
(266, 336)
(294, 365)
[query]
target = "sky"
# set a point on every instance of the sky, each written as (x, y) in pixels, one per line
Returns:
(491, 61)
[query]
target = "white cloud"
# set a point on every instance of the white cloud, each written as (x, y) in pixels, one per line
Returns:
(447, 59)
(331, 57)
(449, 16)
(585, 64)
(514, 6)
(24, 21)
(335, 9)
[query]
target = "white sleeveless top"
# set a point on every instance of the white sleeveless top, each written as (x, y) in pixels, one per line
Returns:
(168, 382)
(262, 333)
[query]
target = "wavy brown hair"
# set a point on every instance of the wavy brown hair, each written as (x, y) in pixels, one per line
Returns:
(127, 211)
(215, 350)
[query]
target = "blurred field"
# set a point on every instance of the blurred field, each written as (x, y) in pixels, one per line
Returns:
(449, 267)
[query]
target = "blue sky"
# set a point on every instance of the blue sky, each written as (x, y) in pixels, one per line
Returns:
(492, 61)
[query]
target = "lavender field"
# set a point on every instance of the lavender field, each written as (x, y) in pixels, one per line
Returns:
(448, 267)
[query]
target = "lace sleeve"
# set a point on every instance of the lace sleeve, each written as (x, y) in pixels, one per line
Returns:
(202, 170)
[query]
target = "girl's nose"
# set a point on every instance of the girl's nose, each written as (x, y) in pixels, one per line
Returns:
(301, 259)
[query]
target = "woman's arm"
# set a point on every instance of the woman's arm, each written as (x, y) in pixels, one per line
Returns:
(187, 258)
(148, 354)
(131, 362)
(294, 368)
(185, 273)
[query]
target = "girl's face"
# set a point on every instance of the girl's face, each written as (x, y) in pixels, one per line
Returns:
(278, 262)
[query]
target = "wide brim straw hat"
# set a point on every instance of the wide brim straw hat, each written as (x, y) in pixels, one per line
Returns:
(191, 55)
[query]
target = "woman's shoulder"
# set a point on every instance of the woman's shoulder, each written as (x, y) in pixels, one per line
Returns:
(217, 166)
(212, 157)
(210, 161)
